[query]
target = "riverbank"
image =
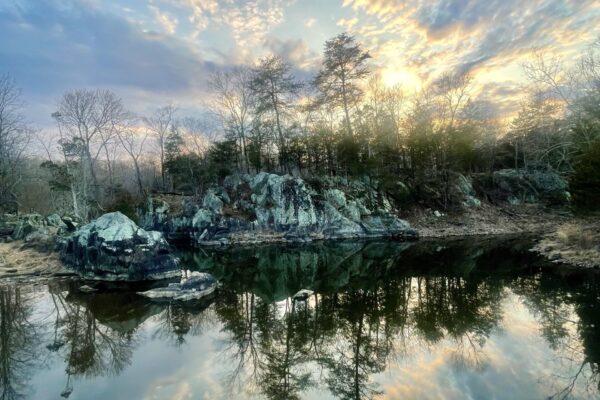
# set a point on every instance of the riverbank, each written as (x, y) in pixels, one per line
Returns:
(557, 228)
(487, 219)
(576, 243)
(18, 260)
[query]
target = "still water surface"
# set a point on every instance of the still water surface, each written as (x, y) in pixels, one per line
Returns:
(468, 319)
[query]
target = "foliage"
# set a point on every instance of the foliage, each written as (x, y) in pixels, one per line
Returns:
(585, 181)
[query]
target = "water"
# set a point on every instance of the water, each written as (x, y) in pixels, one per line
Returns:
(469, 319)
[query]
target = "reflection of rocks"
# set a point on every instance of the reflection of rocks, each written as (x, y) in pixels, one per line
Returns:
(277, 272)
(121, 310)
(194, 287)
(113, 247)
(274, 208)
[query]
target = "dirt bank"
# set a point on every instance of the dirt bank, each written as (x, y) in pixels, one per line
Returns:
(17, 260)
(487, 220)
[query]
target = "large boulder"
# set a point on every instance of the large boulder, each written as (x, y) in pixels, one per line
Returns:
(114, 248)
(282, 204)
(522, 186)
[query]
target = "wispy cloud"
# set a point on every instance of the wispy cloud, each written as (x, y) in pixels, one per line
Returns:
(154, 50)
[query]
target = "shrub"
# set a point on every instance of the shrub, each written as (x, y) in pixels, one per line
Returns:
(585, 181)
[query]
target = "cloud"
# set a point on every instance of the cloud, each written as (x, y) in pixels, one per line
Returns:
(162, 50)
(309, 23)
(296, 52)
(57, 46)
(489, 39)
(167, 21)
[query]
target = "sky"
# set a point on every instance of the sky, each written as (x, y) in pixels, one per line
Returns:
(155, 52)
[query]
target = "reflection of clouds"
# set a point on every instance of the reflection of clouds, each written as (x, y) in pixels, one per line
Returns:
(518, 363)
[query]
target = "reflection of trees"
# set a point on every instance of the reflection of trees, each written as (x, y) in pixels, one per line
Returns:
(369, 306)
(96, 334)
(177, 320)
(19, 343)
(373, 302)
(569, 319)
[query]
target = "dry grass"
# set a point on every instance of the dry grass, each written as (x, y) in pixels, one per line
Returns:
(16, 260)
(576, 235)
(572, 243)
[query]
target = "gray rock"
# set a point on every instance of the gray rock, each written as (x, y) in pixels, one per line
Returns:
(521, 186)
(28, 224)
(270, 207)
(336, 198)
(282, 204)
(56, 221)
(464, 186)
(113, 248)
(212, 203)
(303, 294)
(194, 287)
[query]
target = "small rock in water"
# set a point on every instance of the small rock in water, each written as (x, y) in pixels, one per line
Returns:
(87, 289)
(303, 294)
(437, 213)
(193, 286)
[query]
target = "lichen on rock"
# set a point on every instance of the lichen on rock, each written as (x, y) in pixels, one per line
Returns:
(113, 247)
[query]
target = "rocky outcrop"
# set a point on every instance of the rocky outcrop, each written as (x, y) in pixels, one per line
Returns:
(521, 186)
(269, 207)
(113, 248)
(464, 186)
(34, 229)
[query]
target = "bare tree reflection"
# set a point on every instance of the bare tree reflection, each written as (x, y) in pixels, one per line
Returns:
(19, 343)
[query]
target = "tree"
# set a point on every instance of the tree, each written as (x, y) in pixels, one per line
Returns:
(173, 144)
(232, 105)
(15, 134)
(585, 181)
(88, 117)
(160, 125)
(344, 65)
(133, 142)
(274, 88)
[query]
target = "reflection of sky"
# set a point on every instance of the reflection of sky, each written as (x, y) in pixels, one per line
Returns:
(514, 362)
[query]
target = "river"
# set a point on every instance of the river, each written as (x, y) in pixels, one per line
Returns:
(476, 318)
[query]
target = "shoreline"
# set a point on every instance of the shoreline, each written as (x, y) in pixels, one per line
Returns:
(18, 260)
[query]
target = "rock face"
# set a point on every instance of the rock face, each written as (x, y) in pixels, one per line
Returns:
(34, 229)
(520, 186)
(269, 208)
(113, 248)
(465, 188)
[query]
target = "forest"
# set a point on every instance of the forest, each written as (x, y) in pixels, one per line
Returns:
(345, 121)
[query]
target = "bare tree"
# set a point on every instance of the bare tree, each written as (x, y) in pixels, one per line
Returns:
(232, 105)
(550, 76)
(15, 134)
(197, 134)
(133, 141)
(88, 118)
(160, 125)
